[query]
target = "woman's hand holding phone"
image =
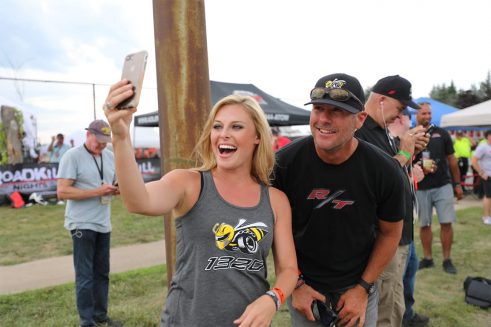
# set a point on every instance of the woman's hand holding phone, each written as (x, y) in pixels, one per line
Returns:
(119, 120)
(126, 94)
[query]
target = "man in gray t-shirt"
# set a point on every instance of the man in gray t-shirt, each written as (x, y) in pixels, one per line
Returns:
(86, 175)
(481, 161)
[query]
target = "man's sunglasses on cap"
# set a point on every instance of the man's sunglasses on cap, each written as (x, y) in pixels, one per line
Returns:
(335, 94)
(324, 314)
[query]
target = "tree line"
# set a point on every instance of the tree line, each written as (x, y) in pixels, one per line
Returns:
(462, 98)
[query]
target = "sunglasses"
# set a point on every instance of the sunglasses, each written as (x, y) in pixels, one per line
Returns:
(335, 94)
(324, 314)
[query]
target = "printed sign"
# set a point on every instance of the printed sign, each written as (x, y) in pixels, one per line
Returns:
(41, 178)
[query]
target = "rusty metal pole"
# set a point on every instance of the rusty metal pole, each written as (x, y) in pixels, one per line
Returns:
(183, 90)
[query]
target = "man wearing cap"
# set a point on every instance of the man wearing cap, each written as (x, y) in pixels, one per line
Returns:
(388, 99)
(86, 175)
(410, 318)
(441, 183)
(346, 209)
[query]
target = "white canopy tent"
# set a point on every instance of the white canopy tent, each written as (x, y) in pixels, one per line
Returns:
(478, 115)
(145, 137)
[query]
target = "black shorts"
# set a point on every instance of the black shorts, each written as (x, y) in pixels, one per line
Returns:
(487, 187)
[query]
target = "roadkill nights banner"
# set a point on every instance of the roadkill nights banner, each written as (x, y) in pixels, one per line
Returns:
(41, 178)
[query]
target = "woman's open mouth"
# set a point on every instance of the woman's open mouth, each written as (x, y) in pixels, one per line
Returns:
(225, 148)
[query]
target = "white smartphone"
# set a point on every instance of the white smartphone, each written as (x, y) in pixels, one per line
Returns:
(134, 71)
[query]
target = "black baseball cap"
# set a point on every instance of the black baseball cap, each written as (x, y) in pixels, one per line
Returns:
(345, 82)
(396, 87)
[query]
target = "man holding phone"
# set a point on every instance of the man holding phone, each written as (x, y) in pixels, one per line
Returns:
(437, 190)
(85, 178)
(389, 97)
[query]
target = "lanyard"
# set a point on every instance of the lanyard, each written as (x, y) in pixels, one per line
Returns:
(99, 169)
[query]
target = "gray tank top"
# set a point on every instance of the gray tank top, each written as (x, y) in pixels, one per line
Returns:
(221, 252)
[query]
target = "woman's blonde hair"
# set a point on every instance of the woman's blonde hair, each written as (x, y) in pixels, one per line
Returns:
(263, 156)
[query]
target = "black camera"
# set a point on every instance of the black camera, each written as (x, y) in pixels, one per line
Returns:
(324, 314)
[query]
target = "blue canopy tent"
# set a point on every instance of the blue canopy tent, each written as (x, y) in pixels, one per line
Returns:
(437, 110)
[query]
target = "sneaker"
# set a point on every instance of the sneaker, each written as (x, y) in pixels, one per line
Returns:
(60, 203)
(109, 322)
(416, 321)
(449, 267)
(486, 220)
(426, 263)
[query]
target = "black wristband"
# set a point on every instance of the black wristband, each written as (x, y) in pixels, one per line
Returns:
(275, 298)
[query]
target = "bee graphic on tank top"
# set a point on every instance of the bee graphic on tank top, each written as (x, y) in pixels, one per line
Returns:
(244, 238)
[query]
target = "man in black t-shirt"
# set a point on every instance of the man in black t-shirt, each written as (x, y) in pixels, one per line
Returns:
(347, 208)
(437, 190)
(388, 99)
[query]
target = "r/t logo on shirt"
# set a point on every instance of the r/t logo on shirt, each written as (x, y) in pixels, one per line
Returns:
(323, 194)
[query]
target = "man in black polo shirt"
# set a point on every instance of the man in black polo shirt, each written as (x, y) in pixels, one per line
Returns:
(389, 97)
(347, 208)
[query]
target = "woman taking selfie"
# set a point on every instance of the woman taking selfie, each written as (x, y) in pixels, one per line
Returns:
(227, 216)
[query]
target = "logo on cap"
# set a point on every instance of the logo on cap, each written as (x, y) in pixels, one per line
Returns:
(336, 84)
(106, 130)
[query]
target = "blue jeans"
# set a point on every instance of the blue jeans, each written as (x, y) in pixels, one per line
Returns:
(409, 279)
(91, 261)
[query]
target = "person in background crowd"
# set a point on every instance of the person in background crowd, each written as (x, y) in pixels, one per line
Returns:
(478, 187)
(437, 189)
(279, 140)
(463, 147)
(29, 149)
(227, 216)
(388, 99)
(347, 209)
(56, 152)
(58, 149)
(85, 178)
(410, 318)
(481, 161)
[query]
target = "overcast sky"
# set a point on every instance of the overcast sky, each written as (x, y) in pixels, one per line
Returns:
(281, 46)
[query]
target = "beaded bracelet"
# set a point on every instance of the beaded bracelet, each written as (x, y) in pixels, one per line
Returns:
(300, 281)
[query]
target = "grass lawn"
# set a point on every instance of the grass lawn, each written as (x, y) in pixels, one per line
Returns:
(37, 232)
(137, 297)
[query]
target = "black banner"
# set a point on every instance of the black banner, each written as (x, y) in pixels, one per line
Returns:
(149, 168)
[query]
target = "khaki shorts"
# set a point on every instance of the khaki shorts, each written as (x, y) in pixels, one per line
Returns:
(442, 199)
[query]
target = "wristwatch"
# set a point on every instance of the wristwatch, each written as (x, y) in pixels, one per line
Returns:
(370, 288)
